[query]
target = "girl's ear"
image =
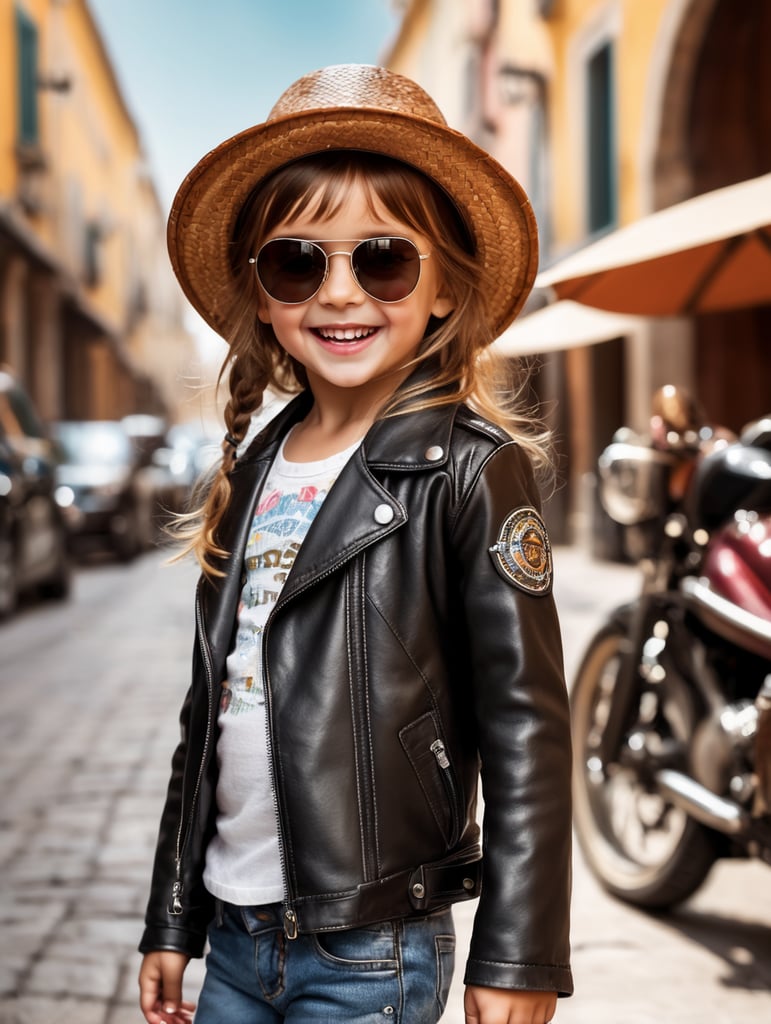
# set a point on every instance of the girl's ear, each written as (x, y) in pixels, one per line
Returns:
(443, 306)
(263, 310)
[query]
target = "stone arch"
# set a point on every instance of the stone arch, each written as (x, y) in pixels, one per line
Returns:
(713, 102)
(714, 129)
(671, 177)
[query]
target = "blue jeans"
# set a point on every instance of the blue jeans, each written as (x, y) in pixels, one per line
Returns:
(398, 972)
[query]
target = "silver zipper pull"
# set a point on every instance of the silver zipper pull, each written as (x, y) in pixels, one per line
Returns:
(437, 749)
(290, 924)
(176, 899)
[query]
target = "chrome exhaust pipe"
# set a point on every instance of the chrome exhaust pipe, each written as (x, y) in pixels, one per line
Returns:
(701, 803)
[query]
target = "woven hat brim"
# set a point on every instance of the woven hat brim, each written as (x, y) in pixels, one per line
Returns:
(206, 207)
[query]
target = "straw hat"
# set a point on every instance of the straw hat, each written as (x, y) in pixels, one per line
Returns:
(351, 107)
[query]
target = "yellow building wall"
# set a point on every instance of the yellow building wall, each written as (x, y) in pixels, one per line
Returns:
(92, 182)
(100, 151)
(574, 26)
(7, 99)
(408, 52)
(90, 142)
(38, 11)
(433, 48)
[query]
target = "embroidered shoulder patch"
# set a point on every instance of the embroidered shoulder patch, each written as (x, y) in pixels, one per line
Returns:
(522, 554)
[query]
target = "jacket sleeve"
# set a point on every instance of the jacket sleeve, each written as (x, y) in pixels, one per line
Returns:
(520, 937)
(183, 931)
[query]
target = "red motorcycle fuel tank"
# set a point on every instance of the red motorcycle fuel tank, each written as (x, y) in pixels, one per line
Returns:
(738, 563)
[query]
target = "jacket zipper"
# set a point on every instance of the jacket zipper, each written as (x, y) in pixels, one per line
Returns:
(290, 917)
(175, 907)
(177, 889)
(291, 929)
(439, 751)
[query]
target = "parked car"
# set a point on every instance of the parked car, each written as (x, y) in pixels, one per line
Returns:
(33, 536)
(148, 435)
(102, 487)
(186, 455)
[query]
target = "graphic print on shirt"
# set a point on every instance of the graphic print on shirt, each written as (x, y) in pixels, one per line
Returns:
(281, 521)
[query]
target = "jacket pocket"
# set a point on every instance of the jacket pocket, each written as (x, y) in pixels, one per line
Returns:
(427, 752)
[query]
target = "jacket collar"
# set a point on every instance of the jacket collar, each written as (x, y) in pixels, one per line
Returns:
(358, 511)
(410, 441)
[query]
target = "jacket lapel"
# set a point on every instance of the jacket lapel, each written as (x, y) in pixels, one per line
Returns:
(359, 510)
(221, 596)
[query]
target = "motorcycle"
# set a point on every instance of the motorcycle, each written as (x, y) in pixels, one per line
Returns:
(671, 705)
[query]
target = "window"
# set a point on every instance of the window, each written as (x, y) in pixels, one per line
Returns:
(27, 48)
(601, 169)
(92, 254)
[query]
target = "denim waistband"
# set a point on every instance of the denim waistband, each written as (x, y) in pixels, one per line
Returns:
(253, 920)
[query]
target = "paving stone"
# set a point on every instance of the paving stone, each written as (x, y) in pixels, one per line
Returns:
(22, 917)
(11, 971)
(36, 1010)
(127, 1014)
(104, 897)
(91, 977)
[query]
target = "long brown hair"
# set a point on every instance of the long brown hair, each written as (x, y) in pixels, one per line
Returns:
(467, 369)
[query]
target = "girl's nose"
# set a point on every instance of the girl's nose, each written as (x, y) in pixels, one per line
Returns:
(340, 287)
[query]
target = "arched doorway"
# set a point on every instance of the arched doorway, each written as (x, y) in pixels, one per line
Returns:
(715, 131)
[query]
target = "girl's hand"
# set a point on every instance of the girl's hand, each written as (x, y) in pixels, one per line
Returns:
(508, 1006)
(160, 988)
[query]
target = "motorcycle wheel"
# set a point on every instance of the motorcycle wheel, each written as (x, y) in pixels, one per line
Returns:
(640, 848)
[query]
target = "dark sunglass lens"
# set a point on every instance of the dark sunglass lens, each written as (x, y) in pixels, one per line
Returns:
(387, 268)
(291, 270)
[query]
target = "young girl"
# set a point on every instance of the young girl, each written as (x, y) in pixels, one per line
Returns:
(374, 617)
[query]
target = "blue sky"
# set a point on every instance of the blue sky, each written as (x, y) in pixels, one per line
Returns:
(194, 72)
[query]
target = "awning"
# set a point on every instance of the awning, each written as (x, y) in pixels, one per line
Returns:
(709, 253)
(563, 325)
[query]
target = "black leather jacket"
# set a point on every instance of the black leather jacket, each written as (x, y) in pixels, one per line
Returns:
(397, 659)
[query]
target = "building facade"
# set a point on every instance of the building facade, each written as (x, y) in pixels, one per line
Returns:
(90, 318)
(608, 110)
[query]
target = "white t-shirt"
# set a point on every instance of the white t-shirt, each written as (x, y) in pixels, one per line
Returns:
(243, 864)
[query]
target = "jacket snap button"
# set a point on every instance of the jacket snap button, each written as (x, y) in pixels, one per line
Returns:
(384, 514)
(434, 453)
(418, 891)
(468, 884)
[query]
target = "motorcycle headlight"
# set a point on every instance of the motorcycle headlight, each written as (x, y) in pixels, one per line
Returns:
(633, 482)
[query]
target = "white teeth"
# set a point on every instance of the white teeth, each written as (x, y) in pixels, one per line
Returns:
(345, 334)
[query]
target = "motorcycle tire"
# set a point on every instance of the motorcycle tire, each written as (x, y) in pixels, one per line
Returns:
(641, 848)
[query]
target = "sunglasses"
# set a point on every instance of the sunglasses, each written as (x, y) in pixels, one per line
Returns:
(291, 270)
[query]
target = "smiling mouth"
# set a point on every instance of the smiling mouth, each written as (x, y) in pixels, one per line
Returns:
(344, 334)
